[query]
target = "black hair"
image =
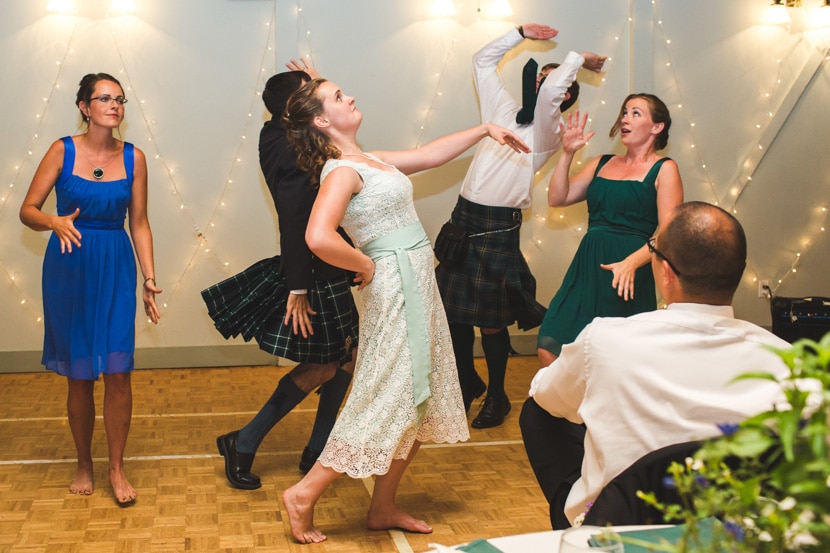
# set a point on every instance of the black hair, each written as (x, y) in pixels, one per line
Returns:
(280, 87)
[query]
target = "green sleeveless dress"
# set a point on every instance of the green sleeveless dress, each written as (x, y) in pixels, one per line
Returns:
(622, 215)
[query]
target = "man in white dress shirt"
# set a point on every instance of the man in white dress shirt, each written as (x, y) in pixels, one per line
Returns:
(493, 287)
(630, 386)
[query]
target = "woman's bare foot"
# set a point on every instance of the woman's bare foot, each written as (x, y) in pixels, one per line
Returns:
(82, 483)
(124, 493)
(301, 516)
(387, 519)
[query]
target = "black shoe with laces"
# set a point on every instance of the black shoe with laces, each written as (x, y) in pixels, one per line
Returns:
(472, 394)
(492, 412)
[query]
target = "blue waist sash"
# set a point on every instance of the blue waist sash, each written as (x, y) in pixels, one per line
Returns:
(93, 224)
(397, 243)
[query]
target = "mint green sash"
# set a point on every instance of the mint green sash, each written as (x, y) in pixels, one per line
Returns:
(397, 243)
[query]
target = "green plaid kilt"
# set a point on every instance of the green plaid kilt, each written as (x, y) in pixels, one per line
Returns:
(252, 304)
(494, 287)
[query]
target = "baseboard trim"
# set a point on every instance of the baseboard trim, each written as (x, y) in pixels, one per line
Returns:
(208, 356)
(159, 358)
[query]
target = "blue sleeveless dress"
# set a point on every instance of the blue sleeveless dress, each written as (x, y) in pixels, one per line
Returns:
(622, 215)
(89, 300)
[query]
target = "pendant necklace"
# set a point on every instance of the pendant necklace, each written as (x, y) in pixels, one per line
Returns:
(98, 172)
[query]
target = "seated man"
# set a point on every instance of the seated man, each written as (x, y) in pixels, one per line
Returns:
(630, 386)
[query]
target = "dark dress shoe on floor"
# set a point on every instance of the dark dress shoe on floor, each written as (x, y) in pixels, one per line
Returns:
(492, 413)
(308, 459)
(237, 465)
(470, 395)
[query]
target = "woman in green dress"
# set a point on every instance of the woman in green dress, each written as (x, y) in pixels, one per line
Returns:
(628, 197)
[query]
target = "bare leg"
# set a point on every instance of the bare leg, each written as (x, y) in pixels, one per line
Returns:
(118, 409)
(299, 501)
(383, 512)
(545, 357)
(80, 409)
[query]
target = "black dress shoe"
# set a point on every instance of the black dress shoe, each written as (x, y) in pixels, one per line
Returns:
(472, 394)
(492, 413)
(237, 465)
(308, 459)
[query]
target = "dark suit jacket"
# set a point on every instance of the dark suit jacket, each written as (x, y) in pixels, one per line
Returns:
(293, 198)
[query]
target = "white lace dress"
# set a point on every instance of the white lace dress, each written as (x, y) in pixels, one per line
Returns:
(380, 421)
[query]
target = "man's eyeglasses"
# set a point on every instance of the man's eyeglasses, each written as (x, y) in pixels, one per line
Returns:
(655, 251)
(107, 99)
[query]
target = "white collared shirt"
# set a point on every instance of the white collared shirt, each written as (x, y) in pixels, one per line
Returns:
(499, 176)
(655, 379)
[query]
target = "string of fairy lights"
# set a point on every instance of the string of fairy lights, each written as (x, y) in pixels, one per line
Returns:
(736, 192)
(202, 232)
(12, 275)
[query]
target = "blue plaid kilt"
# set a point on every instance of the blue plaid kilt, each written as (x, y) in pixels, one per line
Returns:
(494, 287)
(252, 304)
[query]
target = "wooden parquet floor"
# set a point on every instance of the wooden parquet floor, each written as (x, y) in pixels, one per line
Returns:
(481, 488)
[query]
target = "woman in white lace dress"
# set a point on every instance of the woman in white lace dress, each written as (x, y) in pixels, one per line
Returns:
(405, 387)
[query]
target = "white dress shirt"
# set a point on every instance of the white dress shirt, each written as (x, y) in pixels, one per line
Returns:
(655, 379)
(500, 176)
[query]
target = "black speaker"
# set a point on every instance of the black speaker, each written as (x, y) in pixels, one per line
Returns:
(794, 318)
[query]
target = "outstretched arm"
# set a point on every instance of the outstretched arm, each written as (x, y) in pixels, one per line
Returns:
(442, 150)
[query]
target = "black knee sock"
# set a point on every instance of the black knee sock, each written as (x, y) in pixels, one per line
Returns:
(282, 401)
(331, 397)
(463, 338)
(496, 350)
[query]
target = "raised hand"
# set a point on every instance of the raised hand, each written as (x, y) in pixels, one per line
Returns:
(593, 62)
(301, 65)
(573, 132)
(538, 32)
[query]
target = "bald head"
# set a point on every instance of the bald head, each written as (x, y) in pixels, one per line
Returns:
(707, 246)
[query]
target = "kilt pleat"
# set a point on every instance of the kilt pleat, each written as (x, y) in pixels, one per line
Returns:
(252, 304)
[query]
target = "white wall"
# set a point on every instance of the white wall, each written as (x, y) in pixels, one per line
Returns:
(193, 70)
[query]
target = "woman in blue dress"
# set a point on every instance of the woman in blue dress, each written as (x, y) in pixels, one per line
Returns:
(89, 272)
(628, 196)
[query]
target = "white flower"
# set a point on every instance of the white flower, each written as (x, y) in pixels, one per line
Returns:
(787, 503)
(806, 516)
(764, 536)
(748, 522)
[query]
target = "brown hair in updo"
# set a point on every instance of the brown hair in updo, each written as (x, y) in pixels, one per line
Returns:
(312, 146)
(659, 114)
(86, 89)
